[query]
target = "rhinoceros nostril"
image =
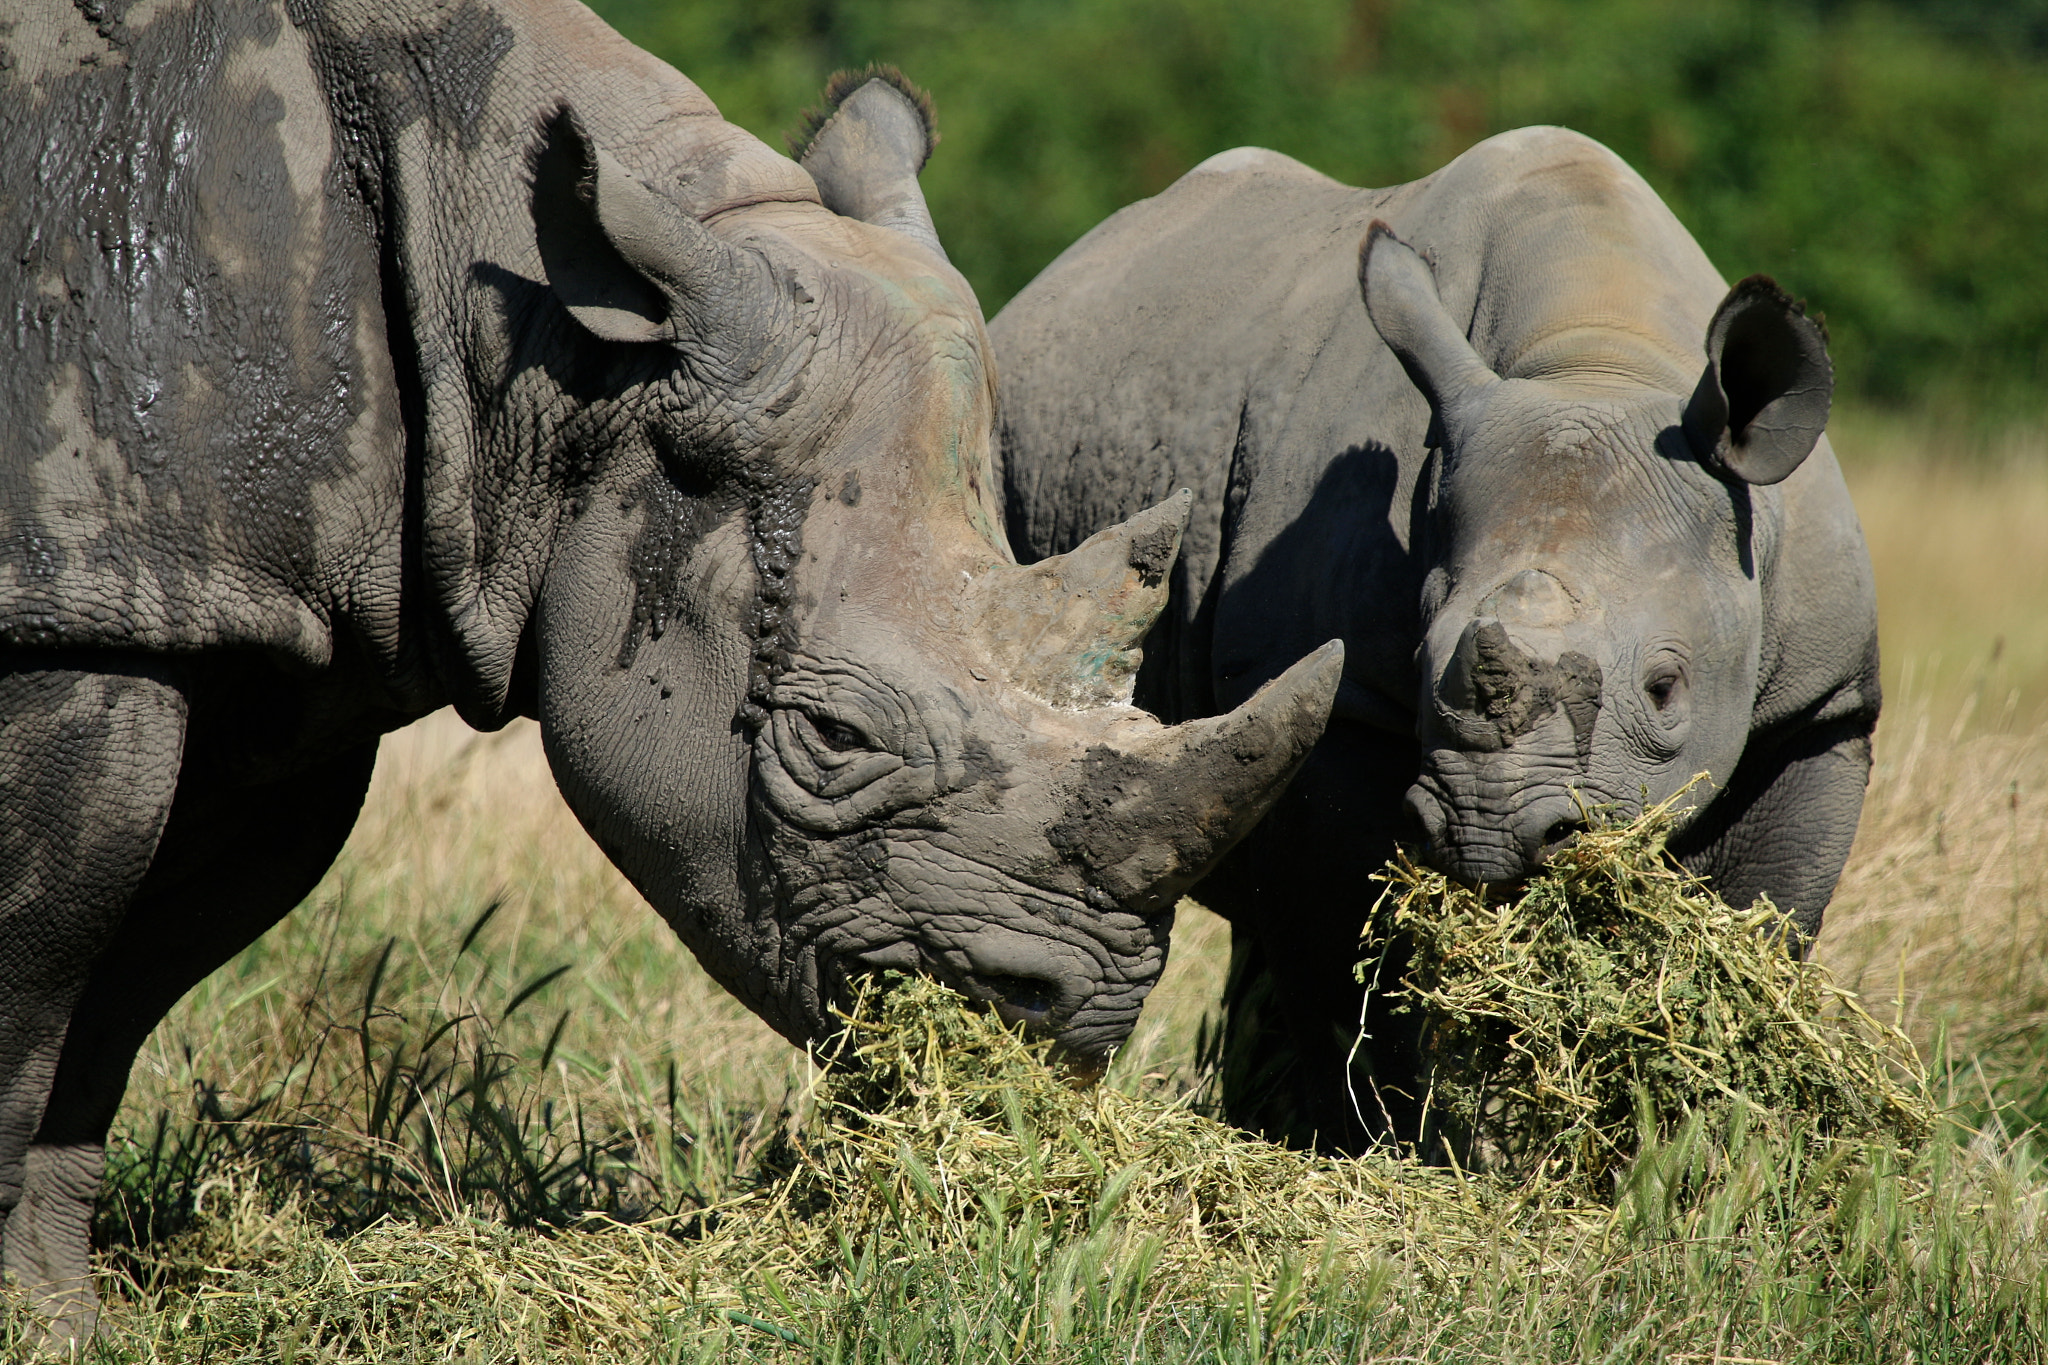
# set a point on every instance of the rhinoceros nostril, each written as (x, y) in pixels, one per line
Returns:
(1561, 834)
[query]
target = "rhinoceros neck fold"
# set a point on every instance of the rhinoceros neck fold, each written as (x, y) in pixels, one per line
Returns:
(1568, 265)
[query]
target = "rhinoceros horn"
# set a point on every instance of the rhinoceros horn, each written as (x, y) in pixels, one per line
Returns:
(1066, 629)
(631, 266)
(865, 148)
(1147, 818)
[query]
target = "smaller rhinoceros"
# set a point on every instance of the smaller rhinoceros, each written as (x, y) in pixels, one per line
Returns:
(1562, 492)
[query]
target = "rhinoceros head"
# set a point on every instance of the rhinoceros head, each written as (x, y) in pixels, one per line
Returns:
(1592, 609)
(791, 679)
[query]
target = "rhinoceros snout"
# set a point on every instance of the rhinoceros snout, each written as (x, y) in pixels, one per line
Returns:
(1475, 846)
(1427, 823)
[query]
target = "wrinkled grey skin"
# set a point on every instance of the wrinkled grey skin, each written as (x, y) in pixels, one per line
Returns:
(368, 358)
(1578, 548)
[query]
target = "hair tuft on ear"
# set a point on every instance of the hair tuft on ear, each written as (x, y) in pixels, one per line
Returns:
(842, 85)
(559, 156)
(865, 148)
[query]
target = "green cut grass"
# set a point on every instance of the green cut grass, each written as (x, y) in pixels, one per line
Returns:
(1615, 997)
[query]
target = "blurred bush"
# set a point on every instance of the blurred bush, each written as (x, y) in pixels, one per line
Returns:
(1883, 159)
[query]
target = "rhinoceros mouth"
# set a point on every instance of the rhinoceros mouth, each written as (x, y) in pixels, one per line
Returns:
(1027, 1000)
(1497, 844)
(1035, 1003)
(1065, 972)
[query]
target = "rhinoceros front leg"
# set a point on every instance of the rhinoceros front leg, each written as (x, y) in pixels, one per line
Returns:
(89, 757)
(232, 863)
(1297, 893)
(1786, 823)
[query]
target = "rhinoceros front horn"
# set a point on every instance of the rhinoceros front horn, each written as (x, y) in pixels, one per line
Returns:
(1145, 817)
(1148, 821)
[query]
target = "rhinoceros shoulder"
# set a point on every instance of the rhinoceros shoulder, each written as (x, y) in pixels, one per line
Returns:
(203, 431)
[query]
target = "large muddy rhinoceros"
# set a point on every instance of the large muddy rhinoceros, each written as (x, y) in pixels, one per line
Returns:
(367, 357)
(1563, 494)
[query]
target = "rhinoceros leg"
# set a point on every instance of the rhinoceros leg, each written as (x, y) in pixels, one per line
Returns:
(230, 865)
(1785, 825)
(89, 757)
(1297, 896)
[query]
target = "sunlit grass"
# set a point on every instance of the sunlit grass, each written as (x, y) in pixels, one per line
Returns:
(1957, 521)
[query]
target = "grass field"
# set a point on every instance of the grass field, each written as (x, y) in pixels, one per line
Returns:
(471, 936)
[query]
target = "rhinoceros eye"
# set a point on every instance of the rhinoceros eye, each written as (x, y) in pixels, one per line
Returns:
(833, 775)
(838, 736)
(1664, 687)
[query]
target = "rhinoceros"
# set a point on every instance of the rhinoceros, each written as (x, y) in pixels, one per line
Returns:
(369, 357)
(1563, 493)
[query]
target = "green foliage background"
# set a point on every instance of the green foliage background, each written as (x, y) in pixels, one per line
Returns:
(1886, 160)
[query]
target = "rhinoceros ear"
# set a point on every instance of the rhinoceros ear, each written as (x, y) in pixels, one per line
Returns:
(1763, 401)
(626, 264)
(865, 146)
(1401, 298)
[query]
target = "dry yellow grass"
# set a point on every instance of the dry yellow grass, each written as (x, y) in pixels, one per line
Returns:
(1942, 907)
(1942, 912)
(455, 818)
(1958, 532)
(454, 821)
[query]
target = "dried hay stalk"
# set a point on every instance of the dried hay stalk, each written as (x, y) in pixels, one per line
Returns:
(1616, 996)
(949, 1122)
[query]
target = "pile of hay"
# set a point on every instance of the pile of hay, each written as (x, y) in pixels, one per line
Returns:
(1613, 1001)
(948, 1137)
(947, 1123)
(1615, 998)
